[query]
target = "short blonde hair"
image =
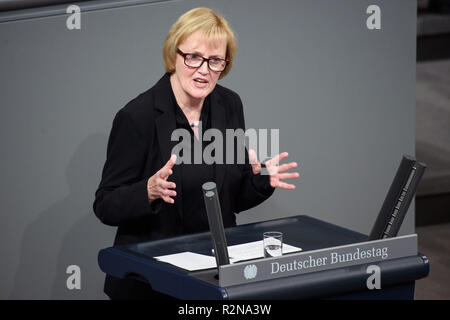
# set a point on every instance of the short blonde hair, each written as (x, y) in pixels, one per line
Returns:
(210, 23)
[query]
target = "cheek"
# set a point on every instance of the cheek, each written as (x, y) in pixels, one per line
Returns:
(214, 79)
(184, 71)
(185, 76)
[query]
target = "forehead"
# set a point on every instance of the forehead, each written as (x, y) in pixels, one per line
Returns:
(198, 41)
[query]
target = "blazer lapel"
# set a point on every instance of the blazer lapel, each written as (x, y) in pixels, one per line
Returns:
(165, 125)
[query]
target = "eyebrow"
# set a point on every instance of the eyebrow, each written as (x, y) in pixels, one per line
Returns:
(201, 54)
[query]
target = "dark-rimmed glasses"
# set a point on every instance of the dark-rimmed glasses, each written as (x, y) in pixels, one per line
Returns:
(195, 61)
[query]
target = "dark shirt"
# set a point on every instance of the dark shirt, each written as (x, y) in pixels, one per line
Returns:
(194, 175)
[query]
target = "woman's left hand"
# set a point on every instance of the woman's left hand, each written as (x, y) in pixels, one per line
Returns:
(277, 172)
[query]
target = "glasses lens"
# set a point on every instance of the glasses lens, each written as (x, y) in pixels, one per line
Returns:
(193, 60)
(217, 64)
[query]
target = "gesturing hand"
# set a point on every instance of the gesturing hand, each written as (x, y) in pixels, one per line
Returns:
(275, 170)
(159, 187)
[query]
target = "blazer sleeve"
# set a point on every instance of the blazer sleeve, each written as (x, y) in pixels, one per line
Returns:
(122, 194)
(255, 188)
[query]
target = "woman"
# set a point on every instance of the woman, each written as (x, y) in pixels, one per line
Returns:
(143, 191)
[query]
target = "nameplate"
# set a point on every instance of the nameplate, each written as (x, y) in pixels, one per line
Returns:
(318, 260)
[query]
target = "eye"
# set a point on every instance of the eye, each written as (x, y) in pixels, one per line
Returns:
(217, 61)
(193, 56)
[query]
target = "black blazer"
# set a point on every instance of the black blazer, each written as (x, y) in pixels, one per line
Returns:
(139, 145)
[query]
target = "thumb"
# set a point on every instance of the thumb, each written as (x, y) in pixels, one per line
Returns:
(166, 171)
(252, 156)
(171, 162)
(256, 165)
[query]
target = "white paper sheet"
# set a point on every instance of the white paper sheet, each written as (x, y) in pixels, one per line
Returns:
(194, 261)
(189, 260)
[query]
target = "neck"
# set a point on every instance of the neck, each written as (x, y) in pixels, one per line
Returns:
(187, 103)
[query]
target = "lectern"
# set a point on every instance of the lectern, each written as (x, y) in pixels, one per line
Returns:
(399, 269)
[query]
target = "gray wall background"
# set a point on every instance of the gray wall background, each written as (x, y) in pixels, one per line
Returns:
(341, 95)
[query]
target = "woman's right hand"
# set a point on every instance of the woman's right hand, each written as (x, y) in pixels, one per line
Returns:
(159, 187)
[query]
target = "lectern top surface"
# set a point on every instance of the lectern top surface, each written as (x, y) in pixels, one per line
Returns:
(301, 231)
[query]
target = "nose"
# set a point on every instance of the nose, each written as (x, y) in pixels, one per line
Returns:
(203, 69)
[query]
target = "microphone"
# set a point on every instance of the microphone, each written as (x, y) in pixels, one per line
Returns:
(398, 199)
(214, 213)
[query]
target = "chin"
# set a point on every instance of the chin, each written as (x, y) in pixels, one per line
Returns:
(199, 93)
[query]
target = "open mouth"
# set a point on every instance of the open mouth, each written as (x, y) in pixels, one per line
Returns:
(200, 80)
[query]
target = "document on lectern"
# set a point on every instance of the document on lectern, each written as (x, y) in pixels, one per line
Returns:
(189, 260)
(194, 261)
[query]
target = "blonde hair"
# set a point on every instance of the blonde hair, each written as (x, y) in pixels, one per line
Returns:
(211, 24)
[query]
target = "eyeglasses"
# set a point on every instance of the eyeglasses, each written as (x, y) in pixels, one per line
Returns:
(195, 61)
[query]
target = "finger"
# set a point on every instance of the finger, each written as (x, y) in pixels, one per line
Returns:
(287, 176)
(168, 199)
(169, 193)
(167, 184)
(277, 159)
(284, 185)
(287, 166)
